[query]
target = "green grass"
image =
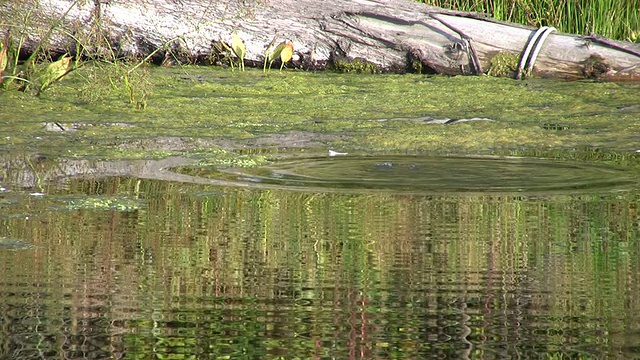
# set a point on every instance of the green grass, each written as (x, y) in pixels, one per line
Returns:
(616, 19)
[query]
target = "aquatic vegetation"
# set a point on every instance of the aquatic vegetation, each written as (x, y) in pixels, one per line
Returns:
(358, 65)
(283, 51)
(28, 72)
(39, 71)
(286, 54)
(54, 72)
(225, 159)
(503, 64)
(270, 56)
(196, 111)
(238, 48)
(223, 51)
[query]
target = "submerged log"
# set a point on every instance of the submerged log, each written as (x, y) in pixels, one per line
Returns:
(388, 35)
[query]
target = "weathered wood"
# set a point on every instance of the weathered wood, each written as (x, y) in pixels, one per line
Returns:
(392, 34)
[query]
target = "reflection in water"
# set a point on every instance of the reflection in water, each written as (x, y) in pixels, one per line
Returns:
(205, 272)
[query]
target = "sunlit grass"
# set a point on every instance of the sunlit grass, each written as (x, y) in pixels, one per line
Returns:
(617, 19)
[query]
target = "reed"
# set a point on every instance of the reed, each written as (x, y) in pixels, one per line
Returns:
(616, 19)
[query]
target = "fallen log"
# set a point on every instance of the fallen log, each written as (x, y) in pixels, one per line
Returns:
(385, 35)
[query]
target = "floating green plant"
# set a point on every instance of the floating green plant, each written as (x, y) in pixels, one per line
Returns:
(225, 159)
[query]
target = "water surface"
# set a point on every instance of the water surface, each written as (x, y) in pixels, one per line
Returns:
(212, 224)
(429, 174)
(136, 268)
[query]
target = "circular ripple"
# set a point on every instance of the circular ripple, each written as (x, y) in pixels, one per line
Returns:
(433, 174)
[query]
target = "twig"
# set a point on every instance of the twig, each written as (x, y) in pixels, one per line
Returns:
(604, 41)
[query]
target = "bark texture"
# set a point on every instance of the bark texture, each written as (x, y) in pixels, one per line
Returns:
(393, 35)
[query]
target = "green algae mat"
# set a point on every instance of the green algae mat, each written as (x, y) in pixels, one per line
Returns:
(214, 115)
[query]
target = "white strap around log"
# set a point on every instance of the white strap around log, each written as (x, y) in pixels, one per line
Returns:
(528, 57)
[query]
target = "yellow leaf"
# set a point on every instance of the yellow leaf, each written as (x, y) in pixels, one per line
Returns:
(54, 71)
(238, 48)
(286, 54)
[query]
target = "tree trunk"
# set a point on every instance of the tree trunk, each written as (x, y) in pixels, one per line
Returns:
(393, 35)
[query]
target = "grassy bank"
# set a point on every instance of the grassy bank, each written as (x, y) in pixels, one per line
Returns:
(616, 19)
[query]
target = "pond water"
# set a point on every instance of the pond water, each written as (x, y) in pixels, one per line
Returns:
(215, 225)
(127, 267)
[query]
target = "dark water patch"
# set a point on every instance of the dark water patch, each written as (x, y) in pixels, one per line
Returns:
(429, 174)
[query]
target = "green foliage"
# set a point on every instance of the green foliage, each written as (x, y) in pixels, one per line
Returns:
(238, 48)
(54, 72)
(503, 64)
(221, 51)
(110, 73)
(276, 53)
(357, 65)
(28, 73)
(617, 19)
(256, 111)
(284, 51)
(286, 54)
